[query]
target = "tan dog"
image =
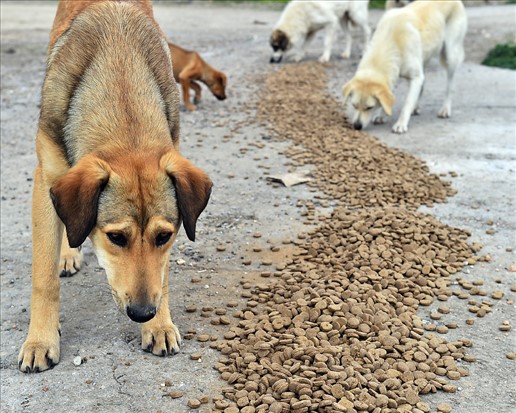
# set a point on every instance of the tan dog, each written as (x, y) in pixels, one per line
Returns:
(109, 168)
(404, 41)
(189, 67)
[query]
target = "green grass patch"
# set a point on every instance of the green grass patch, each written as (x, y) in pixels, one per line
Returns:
(377, 4)
(503, 55)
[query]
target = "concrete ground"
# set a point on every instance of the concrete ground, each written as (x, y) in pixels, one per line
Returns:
(477, 144)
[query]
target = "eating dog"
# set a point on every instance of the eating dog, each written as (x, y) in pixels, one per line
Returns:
(109, 168)
(403, 43)
(300, 21)
(189, 68)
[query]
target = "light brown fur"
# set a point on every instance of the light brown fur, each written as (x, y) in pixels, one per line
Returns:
(189, 67)
(109, 169)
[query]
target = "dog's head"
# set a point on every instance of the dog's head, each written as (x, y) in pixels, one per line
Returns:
(366, 98)
(280, 43)
(132, 208)
(217, 85)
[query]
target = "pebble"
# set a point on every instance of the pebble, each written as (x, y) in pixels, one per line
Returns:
(176, 394)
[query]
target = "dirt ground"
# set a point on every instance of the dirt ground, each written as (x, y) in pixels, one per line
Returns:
(245, 213)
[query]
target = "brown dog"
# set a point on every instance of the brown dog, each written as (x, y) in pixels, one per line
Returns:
(109, 168)
(189, 67)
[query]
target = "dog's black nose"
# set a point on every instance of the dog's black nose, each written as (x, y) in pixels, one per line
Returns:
(357, 125)
(141, 314)
(221, 97)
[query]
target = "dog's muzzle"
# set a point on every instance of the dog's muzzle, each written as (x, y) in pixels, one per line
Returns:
(220, 97)
(357, 125)
(141, 314)
(276, 57)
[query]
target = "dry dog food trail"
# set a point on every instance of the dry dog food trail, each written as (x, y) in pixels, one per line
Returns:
(338, 331)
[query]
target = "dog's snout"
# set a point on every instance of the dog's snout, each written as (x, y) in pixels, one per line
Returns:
(141, 314)
(357, 125)
(276, 59)
(221, 97)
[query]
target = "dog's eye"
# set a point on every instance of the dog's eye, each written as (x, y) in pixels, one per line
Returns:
(163, 238)
(369, 108)
(117, 238)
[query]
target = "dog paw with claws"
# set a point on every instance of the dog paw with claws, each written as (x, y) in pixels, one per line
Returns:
(161, 340)
(399, 128)
(70, 262)
(36, 356)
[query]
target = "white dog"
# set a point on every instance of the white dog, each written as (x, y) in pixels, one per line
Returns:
(302, 19)
(404, 41)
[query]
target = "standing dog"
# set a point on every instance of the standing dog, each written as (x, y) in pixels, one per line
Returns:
(302, 19)
(188, 67)
(109, 168)
(404, 41)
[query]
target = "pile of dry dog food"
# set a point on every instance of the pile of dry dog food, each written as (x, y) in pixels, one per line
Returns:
(336, 330)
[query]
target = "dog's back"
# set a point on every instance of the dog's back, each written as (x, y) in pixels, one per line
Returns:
(134, 90)
(427, 23)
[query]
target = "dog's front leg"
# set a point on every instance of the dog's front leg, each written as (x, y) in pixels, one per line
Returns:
(328, 41)
(160, 336)
(41, 348)
(197, 90)
(416, 83)
(184, 78)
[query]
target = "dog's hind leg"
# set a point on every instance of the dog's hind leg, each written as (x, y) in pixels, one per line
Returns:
(159, 335)
(70, 260)
(345, 25)
(452, 54)
(451, 58)
(359, 17)
(41, 348)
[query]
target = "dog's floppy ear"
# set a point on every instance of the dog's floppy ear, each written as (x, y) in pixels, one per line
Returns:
(346, 90)
(386, 99)
(76, 195)
(193, 188)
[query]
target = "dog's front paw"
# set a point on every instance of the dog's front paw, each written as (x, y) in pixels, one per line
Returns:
(70, 262)
(160, 340)
(399, 128)
(197, 99)
(191, 108)
(39, 355)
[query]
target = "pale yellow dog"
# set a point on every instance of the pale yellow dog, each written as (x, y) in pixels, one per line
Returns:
(404, 41)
